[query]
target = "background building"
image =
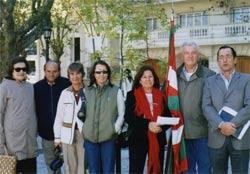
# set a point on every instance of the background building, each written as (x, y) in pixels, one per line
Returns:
(210, 23)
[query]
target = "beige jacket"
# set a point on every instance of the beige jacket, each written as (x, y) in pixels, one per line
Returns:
(18, 124)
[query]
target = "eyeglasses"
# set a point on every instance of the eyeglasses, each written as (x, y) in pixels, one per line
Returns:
(101, 72)
(228, 56)
(19, 69)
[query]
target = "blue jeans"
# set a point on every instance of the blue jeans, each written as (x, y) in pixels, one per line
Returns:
(219, 158)
(197, 154)
(100, 154)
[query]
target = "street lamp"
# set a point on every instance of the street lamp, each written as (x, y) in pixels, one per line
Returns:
(47, 33)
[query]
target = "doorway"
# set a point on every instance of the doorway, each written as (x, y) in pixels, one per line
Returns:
(243, 64)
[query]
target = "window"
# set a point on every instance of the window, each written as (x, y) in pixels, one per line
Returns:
(193, 19)
(32, 66)
(197, 19)
(152, 24)
(77, 48)
(189, 20)
(182, 20)
(240, 15)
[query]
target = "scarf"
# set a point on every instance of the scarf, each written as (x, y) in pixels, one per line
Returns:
(142, 108)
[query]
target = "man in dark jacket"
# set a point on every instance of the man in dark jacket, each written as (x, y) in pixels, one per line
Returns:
(47, 93)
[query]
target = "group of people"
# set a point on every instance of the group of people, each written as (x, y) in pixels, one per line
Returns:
(51, 108)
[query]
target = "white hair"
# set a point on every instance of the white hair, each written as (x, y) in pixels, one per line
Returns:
(192, 44)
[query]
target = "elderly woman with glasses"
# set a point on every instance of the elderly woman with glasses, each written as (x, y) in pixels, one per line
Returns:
(104, 118)
(18, 125)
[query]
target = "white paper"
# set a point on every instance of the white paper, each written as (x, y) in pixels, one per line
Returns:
(167, 120)
(244, 129)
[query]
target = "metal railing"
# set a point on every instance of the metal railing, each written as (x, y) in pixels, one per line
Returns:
(204, 35)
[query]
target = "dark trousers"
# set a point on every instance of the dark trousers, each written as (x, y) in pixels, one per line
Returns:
(137, 158)
(219, 158)
(27, 166)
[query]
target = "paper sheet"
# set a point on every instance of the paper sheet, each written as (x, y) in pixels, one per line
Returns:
(167, 120)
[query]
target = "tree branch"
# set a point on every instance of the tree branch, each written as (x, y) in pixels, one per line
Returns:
(35, 19)
(31, 37)
(10, 5)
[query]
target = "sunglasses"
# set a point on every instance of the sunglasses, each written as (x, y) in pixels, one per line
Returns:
(101, 72)
(19, 69)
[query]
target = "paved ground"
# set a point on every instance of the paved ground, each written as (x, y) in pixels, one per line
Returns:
(41, 168)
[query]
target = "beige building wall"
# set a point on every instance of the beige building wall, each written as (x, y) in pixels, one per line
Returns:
(222, 27)
(228, 22)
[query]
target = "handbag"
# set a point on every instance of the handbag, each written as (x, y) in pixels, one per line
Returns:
(7, 163)
(122, 139)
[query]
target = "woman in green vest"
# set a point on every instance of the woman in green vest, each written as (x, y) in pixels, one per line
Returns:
(104, 118)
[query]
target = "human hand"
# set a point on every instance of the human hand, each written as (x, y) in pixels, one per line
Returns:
(154, 127)
(118, 128)
(227, 128)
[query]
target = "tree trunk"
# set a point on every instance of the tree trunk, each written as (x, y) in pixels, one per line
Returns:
(15, 38)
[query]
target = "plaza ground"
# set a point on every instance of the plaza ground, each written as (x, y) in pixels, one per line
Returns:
(41, 167)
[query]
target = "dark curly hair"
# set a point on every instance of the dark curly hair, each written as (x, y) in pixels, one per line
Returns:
(15, 61)
(139, 74)
(92, 73)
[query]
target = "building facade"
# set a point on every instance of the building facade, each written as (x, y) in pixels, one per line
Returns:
(210, 23)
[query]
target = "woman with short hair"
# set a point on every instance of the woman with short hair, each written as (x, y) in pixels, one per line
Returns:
(67, 125)
(18, 125)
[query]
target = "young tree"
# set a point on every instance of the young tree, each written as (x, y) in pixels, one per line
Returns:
(64, 22)
(129, 20)
(21, 23)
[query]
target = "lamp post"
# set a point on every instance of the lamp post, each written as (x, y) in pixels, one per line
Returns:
(47, 33)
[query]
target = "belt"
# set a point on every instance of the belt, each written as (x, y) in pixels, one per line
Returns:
(69, 125)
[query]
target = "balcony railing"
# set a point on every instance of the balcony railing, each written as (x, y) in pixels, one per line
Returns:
(204, 35)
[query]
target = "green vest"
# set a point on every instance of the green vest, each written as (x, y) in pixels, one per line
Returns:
(101, 113)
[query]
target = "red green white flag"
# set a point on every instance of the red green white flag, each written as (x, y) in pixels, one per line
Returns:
(176, 155)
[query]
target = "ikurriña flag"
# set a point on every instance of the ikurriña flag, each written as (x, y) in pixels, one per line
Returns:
(176, 155)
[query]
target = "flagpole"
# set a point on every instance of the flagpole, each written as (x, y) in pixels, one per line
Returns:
(176, 154)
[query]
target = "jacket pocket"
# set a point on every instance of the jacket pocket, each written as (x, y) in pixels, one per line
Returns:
(66, 135)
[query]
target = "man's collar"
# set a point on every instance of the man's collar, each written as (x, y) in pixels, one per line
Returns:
(53, 83)
(231, 75)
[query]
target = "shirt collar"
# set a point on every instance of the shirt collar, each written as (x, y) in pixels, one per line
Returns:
(224, 78)
(187, 74)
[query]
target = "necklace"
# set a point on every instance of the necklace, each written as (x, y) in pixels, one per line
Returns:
(76, 93)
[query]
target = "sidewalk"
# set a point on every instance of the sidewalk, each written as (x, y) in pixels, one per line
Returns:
(41, 167)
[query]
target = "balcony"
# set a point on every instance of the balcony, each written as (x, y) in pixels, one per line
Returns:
(170, 1)
(205, 35)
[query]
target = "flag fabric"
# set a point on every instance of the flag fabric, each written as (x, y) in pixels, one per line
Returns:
(176, 155)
